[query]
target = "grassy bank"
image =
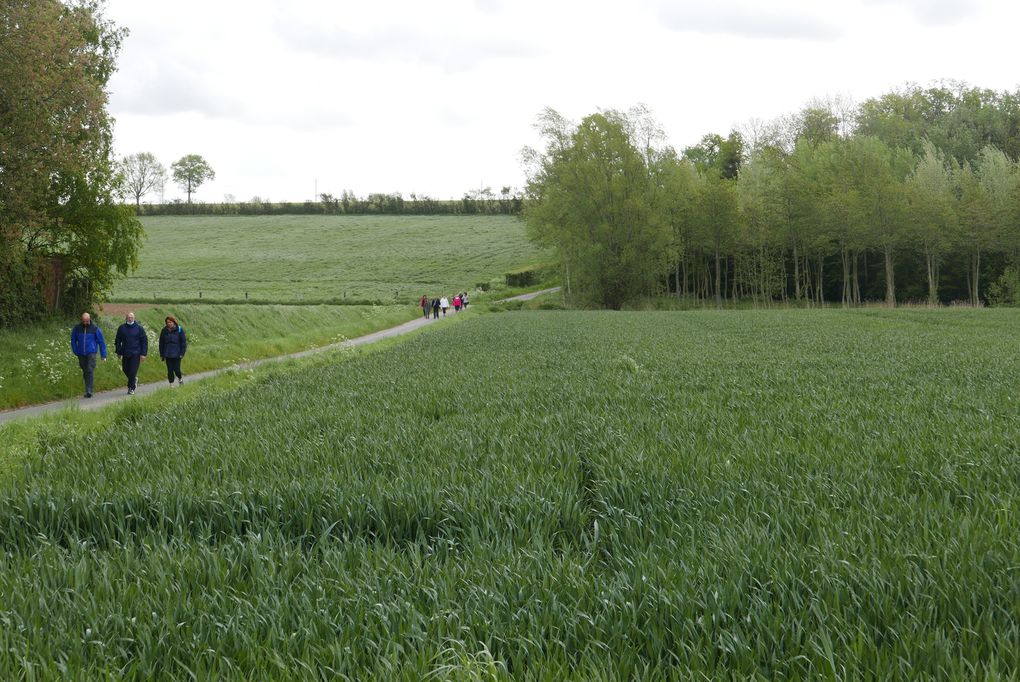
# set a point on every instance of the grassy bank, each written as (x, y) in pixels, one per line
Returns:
(38, 365)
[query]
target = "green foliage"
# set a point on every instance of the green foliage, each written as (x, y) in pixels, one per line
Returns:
(592, 199)
(336, 259)
(21, 302)
(788, 495)
(59, 187)
(190, 172)
(529, 276)
(1005, 291)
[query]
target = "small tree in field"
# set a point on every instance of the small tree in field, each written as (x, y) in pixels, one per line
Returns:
(190, 172)
(143, 173)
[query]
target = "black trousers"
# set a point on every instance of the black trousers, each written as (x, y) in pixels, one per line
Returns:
(129, 363)
(173, 367)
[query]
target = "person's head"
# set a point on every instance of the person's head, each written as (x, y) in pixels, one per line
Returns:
(130, 318)
(171, 322)
(86, 319)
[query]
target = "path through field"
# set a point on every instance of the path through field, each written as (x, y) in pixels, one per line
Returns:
(107, 397)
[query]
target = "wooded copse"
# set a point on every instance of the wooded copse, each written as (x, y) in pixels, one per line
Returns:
(910, 197)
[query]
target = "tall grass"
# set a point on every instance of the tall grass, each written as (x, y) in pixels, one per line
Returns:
(791, 494)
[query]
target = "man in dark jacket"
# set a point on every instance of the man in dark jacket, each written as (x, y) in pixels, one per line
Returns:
(173, 344)
(132, 345)
(86, 342)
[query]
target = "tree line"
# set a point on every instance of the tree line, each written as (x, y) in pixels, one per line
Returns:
(476, 202)
(910, 196)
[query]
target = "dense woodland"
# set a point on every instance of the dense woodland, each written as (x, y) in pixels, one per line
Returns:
(913, 196)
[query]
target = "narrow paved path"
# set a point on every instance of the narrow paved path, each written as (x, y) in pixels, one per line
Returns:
(106, 397)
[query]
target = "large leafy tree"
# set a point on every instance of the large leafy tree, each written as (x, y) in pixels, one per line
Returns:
(593, 199)
(931, 199)
(190, 172)
(58, 183)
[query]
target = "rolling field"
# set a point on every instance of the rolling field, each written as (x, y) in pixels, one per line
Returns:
(544, 495)
(323, 259)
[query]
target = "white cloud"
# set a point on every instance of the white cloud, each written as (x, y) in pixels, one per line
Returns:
(749, 19)
(935, 12)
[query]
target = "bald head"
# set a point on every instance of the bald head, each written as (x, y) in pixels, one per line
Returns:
(86, 318)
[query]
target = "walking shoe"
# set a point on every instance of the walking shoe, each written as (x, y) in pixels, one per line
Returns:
(180, 382)
(88, 395)
(131, 391)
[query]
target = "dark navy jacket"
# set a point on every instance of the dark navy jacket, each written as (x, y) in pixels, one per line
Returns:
(173, 344)
(87, 340)
(131, 340)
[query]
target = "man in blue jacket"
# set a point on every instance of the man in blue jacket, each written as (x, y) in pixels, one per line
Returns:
(131, 346)
(86, 341)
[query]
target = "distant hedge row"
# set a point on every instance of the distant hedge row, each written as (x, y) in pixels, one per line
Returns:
(390, 204)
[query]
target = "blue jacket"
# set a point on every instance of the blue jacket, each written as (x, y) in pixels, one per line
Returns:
(87, 340)
(173, 344)
(131, 340)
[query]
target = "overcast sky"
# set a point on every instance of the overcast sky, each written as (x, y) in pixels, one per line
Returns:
(439, 97)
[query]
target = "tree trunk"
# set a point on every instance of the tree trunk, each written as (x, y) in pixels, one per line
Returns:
(933, 286)
(718, 278)
(821, 282)
(856, 297)
(976, 273)
(796, 273)
(844, 256)
(890, 278)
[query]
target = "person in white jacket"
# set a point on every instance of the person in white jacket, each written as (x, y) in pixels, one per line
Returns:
(444, 303)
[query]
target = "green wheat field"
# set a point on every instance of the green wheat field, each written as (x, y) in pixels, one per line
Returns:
(542, 496)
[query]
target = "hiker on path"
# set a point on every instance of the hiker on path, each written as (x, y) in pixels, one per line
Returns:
(86, 342)
(456, 303)
(435, 309)
(425, 304)
(444, 303)
(173, 344)
(464, 300)
(131, 346)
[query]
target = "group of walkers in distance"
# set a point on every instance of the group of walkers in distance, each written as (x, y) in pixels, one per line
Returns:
(131, 345)
(434, 305)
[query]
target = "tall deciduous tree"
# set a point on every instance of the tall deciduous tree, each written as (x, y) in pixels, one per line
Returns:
(143, 173)
(57, 177)
(190, 172)
(592, 198)
(931, 199)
